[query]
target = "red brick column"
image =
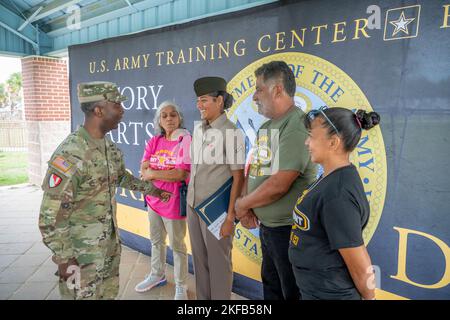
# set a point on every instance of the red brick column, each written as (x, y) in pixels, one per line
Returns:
(47, 110)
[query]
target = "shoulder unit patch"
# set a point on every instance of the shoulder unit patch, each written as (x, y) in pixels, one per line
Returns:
(54, 180)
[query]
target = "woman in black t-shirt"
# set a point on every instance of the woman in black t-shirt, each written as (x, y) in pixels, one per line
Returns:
(327, 251)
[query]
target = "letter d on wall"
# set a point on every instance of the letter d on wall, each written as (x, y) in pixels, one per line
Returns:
(402, 248)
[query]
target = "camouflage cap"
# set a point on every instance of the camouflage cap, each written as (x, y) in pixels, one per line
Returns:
(99, 91)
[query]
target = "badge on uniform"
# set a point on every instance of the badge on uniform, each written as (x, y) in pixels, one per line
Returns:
(54, 180)
(61, 164)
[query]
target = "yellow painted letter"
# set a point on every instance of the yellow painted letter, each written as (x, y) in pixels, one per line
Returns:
(259, 43)
(319, 29)
(362, 29)
(446, 16)
(402, 249)
(337, 31)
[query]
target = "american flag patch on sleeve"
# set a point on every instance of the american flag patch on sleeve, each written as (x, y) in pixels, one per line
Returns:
(61, 164)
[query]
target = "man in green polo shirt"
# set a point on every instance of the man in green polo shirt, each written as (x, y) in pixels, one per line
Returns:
(280, 170)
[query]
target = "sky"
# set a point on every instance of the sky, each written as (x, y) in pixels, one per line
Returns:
(7, 66)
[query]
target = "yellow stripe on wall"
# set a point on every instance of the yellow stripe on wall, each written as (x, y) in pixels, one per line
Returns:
(244, 266)
(384, 295)
(136, 221)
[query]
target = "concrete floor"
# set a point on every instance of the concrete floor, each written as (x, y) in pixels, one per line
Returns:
(26, 269)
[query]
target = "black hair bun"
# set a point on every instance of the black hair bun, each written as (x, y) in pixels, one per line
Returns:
(227, 100)
(368, 120)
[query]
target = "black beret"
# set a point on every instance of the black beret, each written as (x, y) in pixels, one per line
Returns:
(207, 85)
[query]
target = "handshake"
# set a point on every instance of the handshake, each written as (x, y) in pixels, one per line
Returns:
(147, 174)
(164, 196)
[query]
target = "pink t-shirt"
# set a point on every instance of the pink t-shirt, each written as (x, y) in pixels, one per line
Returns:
(167, 155)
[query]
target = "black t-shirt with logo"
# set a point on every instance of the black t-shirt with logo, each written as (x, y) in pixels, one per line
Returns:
(330, 215)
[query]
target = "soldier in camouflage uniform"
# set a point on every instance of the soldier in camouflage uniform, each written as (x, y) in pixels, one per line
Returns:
(78, 211)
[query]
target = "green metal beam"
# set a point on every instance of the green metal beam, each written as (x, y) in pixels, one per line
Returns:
(30, 18)
(90, 11)
(98, 12)
(52, 7)
(18, 34)
(12, 22)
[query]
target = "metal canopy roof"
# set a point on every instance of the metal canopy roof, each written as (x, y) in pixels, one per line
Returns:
(50, 26)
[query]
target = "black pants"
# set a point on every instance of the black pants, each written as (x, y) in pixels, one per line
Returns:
(276, 272)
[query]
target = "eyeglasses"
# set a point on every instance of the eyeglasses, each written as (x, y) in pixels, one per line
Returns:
(314, 113)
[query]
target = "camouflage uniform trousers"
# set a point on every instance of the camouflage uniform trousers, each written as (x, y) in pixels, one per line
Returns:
(99, 279)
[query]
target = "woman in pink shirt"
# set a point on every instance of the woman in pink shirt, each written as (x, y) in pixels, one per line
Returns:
(166, 162)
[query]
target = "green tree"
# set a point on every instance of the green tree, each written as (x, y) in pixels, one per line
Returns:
(15, 89)
(4, 96)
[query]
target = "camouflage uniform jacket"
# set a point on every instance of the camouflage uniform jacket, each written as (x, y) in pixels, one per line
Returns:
(78, 210)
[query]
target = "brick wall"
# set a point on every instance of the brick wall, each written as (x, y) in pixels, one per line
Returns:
(45, 89)
(47, 110)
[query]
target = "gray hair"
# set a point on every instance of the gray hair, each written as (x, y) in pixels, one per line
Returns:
(156, 120)
(278, 70)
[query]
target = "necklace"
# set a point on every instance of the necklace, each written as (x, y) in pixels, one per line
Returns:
(308, 190)
(315, 183)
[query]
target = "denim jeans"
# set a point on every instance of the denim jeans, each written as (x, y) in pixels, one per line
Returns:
(276, 272)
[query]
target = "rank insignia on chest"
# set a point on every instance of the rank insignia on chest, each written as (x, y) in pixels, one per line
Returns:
(54, 180)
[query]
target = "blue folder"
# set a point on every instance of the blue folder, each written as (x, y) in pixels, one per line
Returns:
(216, 204)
